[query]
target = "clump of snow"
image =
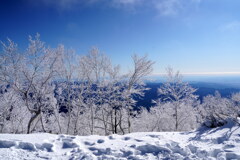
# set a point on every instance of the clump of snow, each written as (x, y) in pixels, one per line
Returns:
(6, 144)
(26, 146)
(45, 146)
(100, 141)
(218, 143)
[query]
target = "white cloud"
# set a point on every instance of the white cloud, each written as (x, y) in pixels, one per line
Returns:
(75, 4)
(175, 7)
(163, 7)
(63, 4)
(130, 5)
(127, 2)
(53, 3)
(231, 26)
(168, 7)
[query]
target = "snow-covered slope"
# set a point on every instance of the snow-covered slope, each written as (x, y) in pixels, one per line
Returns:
(219, 143)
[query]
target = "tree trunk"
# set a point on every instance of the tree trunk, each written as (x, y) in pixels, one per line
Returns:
(92, 120)
(76, 122)
(120, 122)
(37, 113)
(129, 121)
(176, 117)
(42, 124)
(115, 121)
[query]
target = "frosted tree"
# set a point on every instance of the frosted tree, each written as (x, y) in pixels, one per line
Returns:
(122, 90)
(30, 75)
(113, 111)
(144, 121)
(93, 70)
(135, 85)
(67, 73)
(110, 95)
(13, 114)
(61, 93)
(235, 108)
(181, 96)
(103, 90)
(215, 110)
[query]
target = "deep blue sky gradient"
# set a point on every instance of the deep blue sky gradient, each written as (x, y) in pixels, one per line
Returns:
(193, 36)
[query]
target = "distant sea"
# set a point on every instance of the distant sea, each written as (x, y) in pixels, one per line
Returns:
(205, 85)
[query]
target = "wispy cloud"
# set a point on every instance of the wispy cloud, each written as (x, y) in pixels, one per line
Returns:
(64, 5)
(131, 5)
(175, 7)
(60, 4)
(168, 7)
(162, 7)
(127, 2)
(231, 26)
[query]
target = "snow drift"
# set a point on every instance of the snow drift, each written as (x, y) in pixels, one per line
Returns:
(218, 143)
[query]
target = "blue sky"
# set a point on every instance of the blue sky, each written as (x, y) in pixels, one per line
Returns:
(193, 36)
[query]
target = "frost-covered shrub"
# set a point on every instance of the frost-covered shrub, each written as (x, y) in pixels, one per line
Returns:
(161, 118)
(235, 107)
(13, 113)
(215, 110)
(166, 114)
(236, 104)
(145, 121)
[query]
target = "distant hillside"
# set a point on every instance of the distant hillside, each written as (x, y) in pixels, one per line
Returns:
(204, 88)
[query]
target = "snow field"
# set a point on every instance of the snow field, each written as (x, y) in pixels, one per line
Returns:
(220, 143)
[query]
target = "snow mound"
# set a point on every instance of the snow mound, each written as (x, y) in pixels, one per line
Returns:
(221, 143)
(6, 144)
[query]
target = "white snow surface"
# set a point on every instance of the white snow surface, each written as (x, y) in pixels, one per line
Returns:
(218, 143)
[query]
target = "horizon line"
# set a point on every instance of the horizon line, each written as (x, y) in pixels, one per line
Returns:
(201, 73)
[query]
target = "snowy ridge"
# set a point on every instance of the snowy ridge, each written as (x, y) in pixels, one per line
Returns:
(219, 143)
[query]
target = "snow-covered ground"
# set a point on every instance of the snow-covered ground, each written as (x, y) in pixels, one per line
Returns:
(219, 143)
